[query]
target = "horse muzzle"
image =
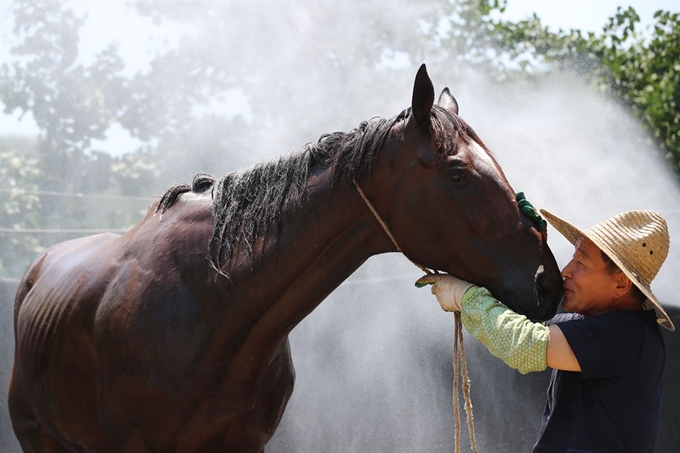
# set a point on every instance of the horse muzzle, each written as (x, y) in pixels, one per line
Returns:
(548, 294)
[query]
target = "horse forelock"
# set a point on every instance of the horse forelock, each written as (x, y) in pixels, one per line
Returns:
(449, 130)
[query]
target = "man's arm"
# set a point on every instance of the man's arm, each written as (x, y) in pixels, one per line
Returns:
(559, 354)
(519, 342)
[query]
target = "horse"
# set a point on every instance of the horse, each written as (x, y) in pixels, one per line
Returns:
(174, 335)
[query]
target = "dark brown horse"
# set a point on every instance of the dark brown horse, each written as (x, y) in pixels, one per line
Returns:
(174, 336)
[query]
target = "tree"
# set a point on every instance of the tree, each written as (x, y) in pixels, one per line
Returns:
(639, 69)
(73, 105)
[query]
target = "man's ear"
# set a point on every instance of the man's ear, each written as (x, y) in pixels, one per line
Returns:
(623, 284)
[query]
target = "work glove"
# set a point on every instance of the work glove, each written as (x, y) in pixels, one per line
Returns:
(448, 289)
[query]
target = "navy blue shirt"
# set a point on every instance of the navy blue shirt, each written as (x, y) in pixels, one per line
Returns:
(613, 403)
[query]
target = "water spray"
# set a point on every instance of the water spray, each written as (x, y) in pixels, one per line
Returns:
(459, 358)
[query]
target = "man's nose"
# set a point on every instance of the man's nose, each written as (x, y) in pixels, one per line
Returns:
(566, 272)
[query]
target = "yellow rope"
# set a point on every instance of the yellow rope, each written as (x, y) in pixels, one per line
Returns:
(458, 332)
(456, 405)
(384, 226)
(459, 358)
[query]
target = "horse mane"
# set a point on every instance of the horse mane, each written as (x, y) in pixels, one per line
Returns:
(247, 204)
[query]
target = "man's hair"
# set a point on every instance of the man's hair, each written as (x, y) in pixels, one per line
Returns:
(611, 268)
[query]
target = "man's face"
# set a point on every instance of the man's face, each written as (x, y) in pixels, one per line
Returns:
(588, 288)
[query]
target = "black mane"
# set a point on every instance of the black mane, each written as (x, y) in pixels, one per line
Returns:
(248, 203)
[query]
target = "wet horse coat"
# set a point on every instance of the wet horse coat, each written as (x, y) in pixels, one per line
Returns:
(174, 336)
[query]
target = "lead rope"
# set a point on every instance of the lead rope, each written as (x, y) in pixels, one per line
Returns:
(459, 357)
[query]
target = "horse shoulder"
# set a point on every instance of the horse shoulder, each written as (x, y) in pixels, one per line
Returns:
(149, 312)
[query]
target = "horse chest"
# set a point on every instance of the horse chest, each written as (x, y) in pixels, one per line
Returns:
(264, 396)
(242, 415)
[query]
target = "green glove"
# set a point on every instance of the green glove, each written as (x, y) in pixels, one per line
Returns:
(511, 337)
(531, 212)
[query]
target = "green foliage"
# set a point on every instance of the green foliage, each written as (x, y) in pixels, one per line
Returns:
(640, 68)
(19, 205)
(29, 223)
(44, 78)
(73, 105)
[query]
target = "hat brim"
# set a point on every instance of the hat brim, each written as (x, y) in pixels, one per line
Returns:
(573, 234)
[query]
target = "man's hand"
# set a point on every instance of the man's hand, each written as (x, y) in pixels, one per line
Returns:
(448, 289)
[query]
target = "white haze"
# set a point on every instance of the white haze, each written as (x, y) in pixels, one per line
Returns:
(373, 361)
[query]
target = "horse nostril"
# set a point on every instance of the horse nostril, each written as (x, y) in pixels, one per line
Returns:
(541, 286)
(539, 272)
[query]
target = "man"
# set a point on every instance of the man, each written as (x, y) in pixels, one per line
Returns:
(605, 389)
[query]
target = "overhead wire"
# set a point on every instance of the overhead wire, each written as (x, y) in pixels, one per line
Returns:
(62, 231)
(96, 230)
(74, 194)
(68, 230)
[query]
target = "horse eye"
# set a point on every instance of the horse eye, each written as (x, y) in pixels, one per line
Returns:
(458, 177)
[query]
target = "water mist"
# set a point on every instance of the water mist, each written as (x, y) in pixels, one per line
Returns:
(374, 361)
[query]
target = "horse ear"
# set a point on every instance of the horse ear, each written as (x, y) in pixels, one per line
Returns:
(447, 101)
(423, 97)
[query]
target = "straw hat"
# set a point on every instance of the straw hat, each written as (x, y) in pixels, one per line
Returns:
(636, 241)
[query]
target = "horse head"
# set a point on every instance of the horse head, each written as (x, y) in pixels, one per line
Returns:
(451, 208)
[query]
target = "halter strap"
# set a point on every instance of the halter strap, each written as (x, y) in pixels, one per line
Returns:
(384, 226)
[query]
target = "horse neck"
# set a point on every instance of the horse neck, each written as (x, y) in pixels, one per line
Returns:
(319, 246)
